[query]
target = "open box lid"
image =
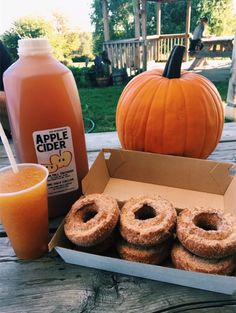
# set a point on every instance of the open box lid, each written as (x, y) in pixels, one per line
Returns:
(184, 181)
(179, 172)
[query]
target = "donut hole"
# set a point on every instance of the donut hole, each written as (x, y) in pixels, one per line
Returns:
(207, 221)
(145, 212)
(88, 212)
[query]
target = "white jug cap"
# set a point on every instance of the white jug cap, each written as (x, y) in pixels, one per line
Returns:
(32, 46)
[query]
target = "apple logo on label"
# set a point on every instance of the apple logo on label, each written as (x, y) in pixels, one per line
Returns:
(59, 161)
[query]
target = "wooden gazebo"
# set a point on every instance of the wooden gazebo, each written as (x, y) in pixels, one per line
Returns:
(136, 52)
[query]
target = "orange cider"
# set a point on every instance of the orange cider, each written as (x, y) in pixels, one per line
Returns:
(46, 120)
(24, 209)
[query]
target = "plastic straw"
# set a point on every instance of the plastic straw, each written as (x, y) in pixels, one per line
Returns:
(8, 150)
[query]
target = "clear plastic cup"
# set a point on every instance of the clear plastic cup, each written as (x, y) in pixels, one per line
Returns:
(24, 213)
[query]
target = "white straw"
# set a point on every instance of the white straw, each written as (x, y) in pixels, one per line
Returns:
(8, 150)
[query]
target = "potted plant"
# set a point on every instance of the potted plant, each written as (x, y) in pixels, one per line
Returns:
(118, 76)
(102, 71)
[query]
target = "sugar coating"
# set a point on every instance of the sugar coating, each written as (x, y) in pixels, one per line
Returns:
(151, 255)
(150, 231)
(183, 259)
(215, 243)
(96, 229)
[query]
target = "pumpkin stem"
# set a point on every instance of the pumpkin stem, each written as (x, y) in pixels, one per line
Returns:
(174, 62)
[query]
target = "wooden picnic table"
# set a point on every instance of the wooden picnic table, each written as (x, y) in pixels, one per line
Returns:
(50, 285)
(213, 47)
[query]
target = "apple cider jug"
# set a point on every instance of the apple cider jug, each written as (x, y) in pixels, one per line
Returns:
(46, 120)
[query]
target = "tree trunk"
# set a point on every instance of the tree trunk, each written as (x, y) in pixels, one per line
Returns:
(144, 19)
(136, 7)
(105, 20)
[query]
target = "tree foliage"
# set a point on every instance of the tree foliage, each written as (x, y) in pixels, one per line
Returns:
(85, 47)
(64, 41)
(25, 28)
(121, 21)
(96, 19)
(219, 12)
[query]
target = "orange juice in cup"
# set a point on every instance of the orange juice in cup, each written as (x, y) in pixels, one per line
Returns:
(24, 209)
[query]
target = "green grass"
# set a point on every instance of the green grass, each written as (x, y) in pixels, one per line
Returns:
(99, 104)
(222, 88)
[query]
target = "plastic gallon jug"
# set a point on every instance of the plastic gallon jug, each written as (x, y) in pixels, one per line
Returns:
(46, 120)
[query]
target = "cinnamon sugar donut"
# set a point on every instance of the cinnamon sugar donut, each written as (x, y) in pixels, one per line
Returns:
(147, 220)
(185, 260)
(101, 247)
(91, 219)
(151, 255)
(207, 232)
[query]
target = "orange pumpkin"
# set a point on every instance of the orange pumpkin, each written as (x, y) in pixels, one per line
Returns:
(170, 112)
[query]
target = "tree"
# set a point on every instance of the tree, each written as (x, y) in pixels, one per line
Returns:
(218, 12)
(64, 41)
(27, 27)
(96, 19)
(85, 47)
(121, 21)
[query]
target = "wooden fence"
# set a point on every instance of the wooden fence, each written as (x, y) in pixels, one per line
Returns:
(159, 47)
(133, 54)
(127, 53)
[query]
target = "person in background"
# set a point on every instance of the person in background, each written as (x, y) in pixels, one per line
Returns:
(5, 62)
(196, 41)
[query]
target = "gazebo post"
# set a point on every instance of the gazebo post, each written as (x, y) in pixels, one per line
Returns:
(230, 109)
(105, 20)
(158, 16)
(144, 32)
(136, 8)
(187, 28)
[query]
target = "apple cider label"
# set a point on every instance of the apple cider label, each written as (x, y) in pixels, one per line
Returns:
(54, 149)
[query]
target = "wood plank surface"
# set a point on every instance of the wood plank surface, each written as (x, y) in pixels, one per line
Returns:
(50, 285)
(98, 141)
(229, 132)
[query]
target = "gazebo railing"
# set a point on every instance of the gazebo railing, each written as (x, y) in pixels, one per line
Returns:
(130, 53)
(126, 53)
(159, 47)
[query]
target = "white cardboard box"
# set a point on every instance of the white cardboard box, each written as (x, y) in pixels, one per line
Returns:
(185, 182)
